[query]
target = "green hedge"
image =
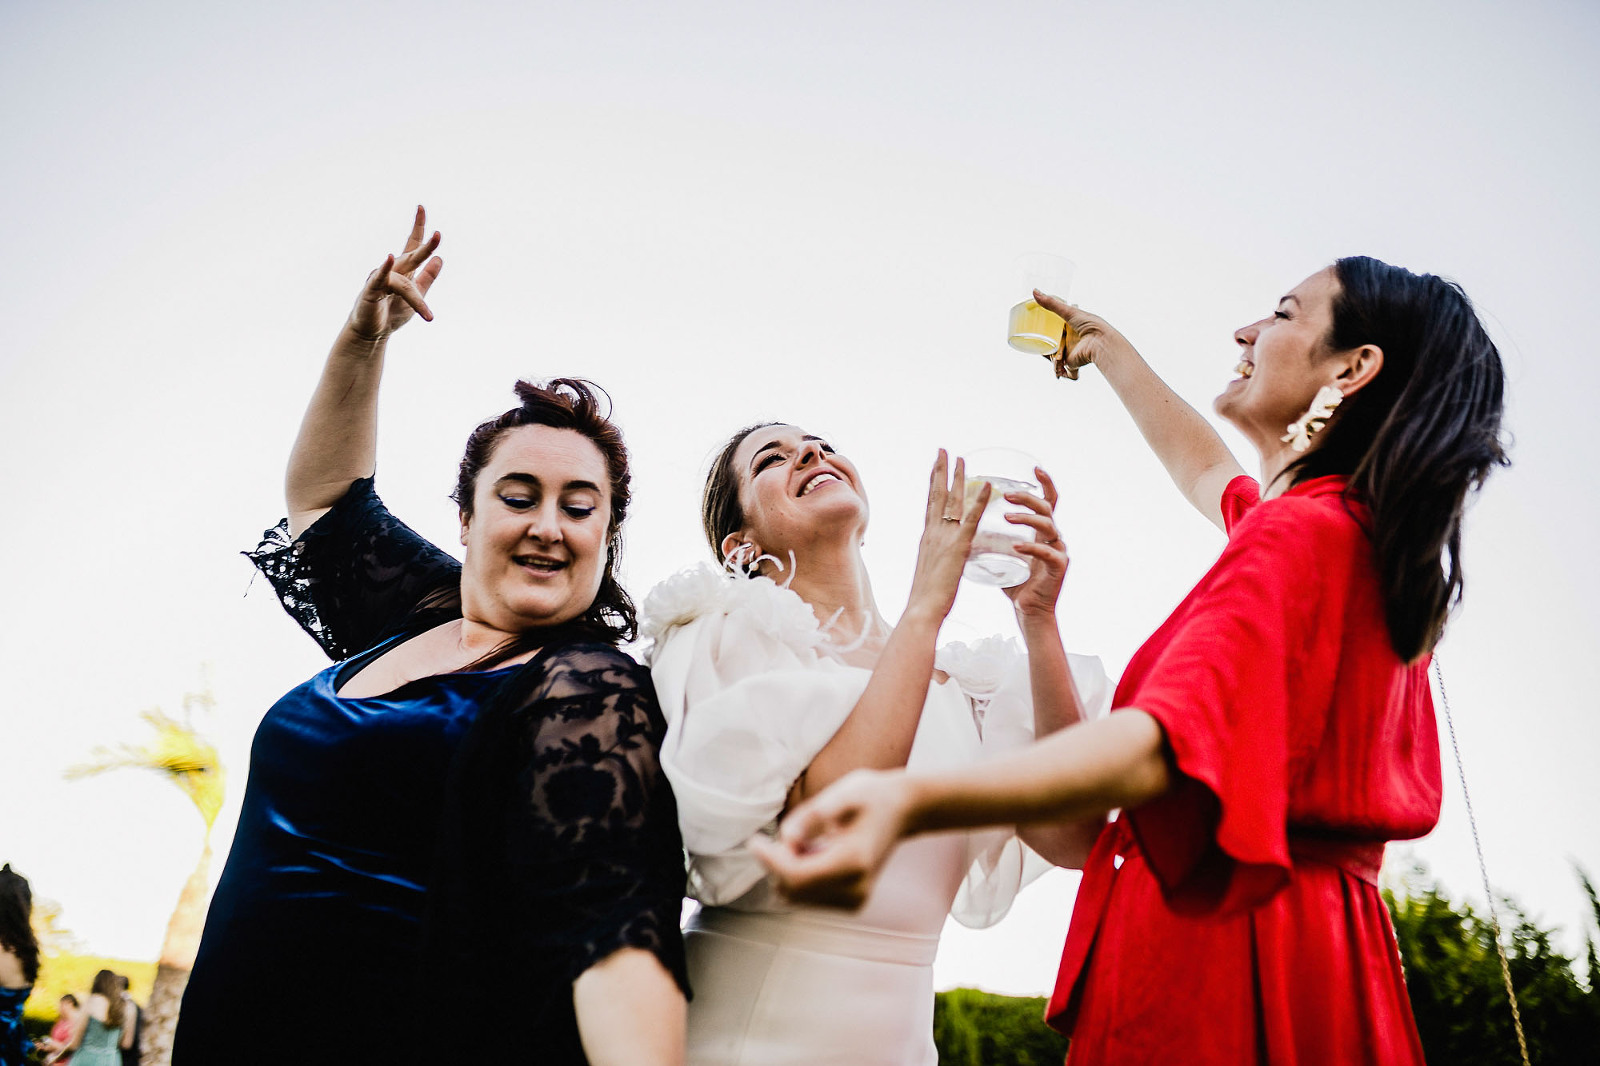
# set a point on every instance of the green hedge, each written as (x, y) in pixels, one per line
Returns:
(973, 1028)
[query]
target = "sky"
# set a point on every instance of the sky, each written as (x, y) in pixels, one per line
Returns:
(726, 213)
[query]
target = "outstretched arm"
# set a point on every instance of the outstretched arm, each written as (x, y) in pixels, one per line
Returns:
(338, 439)
(1055, 695)
(1194, 455)
(830, 849)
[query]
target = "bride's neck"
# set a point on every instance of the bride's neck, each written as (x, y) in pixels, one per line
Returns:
(836, 586)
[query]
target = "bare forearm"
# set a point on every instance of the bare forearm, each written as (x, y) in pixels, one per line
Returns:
(1078, 773)
(630, 1011)
(1055, 697)
(878, 733)
(1056, 705)
(338, 438)
(1192, 452)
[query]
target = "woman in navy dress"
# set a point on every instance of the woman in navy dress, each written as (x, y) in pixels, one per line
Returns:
(19, 963)
(467, 806)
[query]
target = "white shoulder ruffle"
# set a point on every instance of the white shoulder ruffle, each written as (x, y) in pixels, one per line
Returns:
(762, 605)
(979, 667)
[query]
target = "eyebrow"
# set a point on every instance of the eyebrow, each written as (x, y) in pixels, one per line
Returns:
(1291, 296)
(533, 480)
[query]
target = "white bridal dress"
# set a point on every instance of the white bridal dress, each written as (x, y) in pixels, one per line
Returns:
(752, 691)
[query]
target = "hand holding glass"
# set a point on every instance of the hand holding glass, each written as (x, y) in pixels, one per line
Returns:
(1034, 329)
(993, 559)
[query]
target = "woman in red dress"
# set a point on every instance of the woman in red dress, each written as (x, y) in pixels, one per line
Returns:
(1278, 728)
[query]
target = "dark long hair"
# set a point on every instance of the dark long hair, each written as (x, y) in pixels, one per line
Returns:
(1420, 436)
(565, 403)
(16, 921)
(720, 511)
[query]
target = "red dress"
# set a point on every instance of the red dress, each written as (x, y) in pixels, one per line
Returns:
(1237, 919)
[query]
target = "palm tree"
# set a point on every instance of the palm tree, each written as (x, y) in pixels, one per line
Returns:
(182, 756)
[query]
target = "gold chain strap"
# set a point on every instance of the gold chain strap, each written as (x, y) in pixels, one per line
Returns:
(1494, 918)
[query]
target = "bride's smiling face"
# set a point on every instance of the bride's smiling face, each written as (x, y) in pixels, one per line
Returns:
(795, 490)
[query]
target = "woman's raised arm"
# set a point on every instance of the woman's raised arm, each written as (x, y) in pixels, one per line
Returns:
(1194, 455)
(338, 437)
(880, 730)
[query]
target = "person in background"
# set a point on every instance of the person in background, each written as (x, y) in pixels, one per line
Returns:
(19, 963)
(55, 1044)
(1278, 728)
(134, 1016)
(102, 1032)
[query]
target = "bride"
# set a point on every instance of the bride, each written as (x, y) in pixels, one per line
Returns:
(778, 675)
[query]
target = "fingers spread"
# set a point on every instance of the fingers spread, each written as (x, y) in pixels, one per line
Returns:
(416, 253)
(429, 274)
(418, 226)
(378, 280)
(402, 287)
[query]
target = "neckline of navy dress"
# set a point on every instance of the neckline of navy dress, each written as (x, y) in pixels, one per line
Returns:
(336, 676)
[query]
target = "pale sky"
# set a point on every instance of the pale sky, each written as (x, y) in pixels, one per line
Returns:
(731, 212)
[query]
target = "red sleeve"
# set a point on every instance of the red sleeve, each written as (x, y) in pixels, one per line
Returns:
(1239, 498)
(1238, 684)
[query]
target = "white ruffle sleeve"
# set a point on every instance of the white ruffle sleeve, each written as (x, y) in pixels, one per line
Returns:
(751, 695)
(749, 701)
(993, 674)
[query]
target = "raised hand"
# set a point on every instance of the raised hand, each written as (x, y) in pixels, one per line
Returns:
(829, 849)
(1046, 554)
(1087, 339)
(396, 290)
(947, 532)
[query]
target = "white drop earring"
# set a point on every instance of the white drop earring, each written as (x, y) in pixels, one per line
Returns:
(1311, 423)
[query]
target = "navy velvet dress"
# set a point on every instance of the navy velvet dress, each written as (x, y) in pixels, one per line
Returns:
(401, 857)
(13, 1039)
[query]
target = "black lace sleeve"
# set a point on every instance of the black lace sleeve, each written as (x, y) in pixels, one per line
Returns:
(358, 574)
(559, 845)
(592, 845)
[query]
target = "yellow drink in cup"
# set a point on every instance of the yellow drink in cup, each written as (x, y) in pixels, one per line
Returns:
(1031, 328)
(1034, 329)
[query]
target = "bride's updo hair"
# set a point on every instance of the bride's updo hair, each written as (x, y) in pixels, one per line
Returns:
(720, 512)
(575, 404)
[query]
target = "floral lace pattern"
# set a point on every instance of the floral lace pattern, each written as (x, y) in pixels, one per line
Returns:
(560, 838)
(358, 575)
(562, 834)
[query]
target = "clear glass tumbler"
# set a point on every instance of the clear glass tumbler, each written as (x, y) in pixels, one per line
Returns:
(993, 559)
